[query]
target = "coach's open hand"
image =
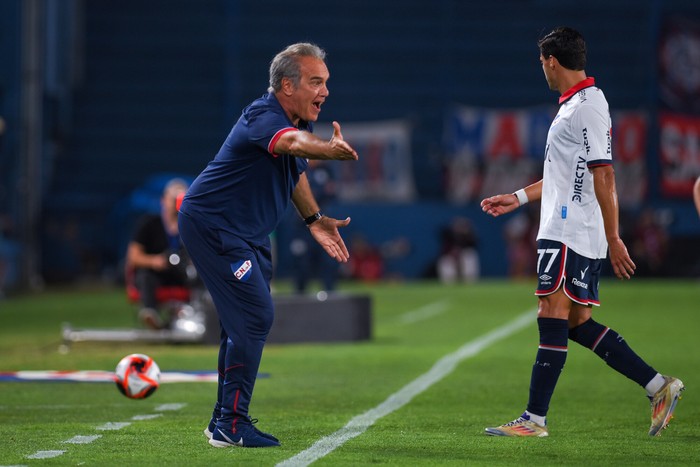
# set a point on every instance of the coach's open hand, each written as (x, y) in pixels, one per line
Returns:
(341, 149)
(325, 231)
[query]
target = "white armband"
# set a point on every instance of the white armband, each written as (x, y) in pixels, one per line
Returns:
(522, 196)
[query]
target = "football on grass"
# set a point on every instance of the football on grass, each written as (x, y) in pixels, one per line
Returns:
(137, 376)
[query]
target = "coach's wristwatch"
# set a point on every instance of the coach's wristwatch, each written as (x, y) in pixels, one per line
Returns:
(313, 218)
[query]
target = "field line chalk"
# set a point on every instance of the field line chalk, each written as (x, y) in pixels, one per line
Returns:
(442, 368)
(424, 312)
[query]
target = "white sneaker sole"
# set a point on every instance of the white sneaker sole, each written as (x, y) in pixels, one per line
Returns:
(224, 444)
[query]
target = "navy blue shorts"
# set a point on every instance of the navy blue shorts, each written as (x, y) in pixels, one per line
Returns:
(558, 265)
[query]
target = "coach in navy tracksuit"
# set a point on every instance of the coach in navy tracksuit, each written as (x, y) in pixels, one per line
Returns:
(234, 205)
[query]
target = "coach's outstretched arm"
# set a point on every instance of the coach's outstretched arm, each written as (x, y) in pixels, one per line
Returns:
(305, 144)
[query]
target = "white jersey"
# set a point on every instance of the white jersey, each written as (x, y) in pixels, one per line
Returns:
(578, 139)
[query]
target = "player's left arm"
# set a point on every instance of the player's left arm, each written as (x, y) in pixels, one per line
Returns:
(606, 194)
(324, 229)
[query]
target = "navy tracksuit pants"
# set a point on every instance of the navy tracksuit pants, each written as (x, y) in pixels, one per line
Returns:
(238, 277)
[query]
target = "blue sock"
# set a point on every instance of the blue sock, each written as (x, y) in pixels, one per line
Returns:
(551, 357)
(612, 348)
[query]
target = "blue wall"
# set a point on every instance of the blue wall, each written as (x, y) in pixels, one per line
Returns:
(9, 104)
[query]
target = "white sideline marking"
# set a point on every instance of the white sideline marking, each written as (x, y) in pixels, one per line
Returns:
(146, 417)
(442, 368)
(166, 407)
(112, 426)
(45, 454)
(106, 427)
(424, 312)
(82, 439)
(101, 376)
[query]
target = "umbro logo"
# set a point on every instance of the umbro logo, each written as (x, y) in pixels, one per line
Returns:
(545, 277)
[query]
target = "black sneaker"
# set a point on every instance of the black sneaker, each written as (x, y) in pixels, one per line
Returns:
(253, 421)
(209, 430)
(243, 435)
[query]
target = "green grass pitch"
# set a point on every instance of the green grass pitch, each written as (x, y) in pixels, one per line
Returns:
(597, 417)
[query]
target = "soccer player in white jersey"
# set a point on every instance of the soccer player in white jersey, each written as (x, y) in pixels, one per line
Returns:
(578, 225)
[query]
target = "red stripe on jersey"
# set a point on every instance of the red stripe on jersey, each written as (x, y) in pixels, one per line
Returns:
(586, 83)
(276, 137)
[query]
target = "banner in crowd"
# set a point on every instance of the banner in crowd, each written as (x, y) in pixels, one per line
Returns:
(679, 140)
(630, 133)
(384, 171)
(679, 92)
(679, 65)
(491, 151)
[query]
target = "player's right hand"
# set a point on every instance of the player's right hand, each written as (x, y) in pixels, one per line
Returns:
(500, 204)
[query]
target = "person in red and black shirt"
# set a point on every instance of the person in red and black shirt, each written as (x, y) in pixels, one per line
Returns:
(155, 238)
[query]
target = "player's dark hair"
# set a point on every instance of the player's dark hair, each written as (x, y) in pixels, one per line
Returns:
(567, 45)
(286, 63)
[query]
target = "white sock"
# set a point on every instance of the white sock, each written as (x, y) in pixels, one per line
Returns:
(539, 419)
(655, 384)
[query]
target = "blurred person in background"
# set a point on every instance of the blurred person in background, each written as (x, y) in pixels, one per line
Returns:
(155, 238)
(520, 233)
(309, 260)
(696, 195)
(459, 258)
(234, 205)
(578, 224)
(649, 244)
(367, 262)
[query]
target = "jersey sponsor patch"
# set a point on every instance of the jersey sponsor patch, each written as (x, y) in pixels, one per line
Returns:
(242, 269)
